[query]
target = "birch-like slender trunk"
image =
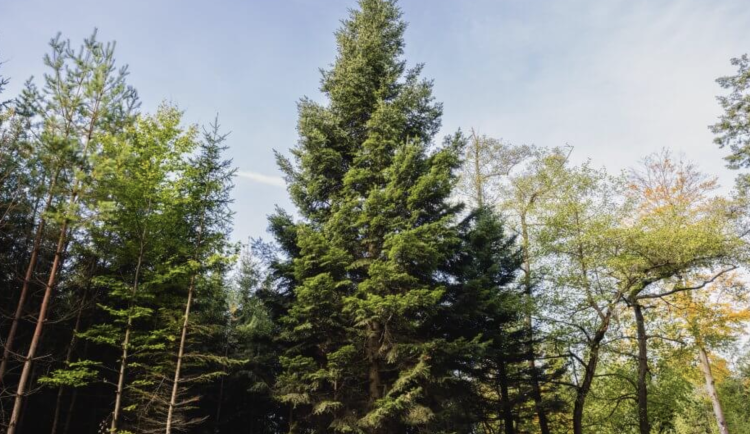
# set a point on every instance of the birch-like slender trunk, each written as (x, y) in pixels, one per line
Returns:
(180, 355)
(126, 339)
(185, 322)
(711, 389)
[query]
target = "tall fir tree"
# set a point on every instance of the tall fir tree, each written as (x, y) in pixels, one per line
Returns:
(365, 350)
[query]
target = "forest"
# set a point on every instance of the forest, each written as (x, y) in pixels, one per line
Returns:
(420, 285)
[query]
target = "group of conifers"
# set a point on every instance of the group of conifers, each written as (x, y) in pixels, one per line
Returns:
(385, 305)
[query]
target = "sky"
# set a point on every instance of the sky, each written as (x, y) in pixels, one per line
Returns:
(615, 79)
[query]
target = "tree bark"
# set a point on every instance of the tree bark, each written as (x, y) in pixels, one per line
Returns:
(126, 339)
(41, 319)
(185, 322)
(711, 389)
(57, 261)
(589, 372)
(180, 354)
(37, 238)
(643, 422)
(8, 349)
(505, 404)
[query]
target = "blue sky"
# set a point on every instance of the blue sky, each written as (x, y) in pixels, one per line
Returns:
(615, 79)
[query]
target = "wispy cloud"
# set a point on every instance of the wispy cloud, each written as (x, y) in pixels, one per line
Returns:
(275, 181)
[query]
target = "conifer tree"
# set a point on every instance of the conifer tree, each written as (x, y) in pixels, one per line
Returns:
(245, 395)
(485, 303)
(86, 96)
(19, 204)
(733, 127)
(363, 352)
(209, 181)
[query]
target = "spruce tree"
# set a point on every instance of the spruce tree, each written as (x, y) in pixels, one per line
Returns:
(244, 397)
(484, 304)
(208, 182)
(364, 353)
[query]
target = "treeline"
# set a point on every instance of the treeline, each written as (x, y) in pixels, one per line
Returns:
(471, 287)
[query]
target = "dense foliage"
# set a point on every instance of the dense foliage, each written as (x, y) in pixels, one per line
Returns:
(467, 285)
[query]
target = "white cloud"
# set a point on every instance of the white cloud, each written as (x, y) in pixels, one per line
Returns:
(260, 178)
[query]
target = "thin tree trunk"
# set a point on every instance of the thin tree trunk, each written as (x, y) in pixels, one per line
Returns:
(29, 241)
(536, 390)
(373, 346)
(56, 265)
(68, 358)
(180, 354)
(643, 423)
(711, 389)
(25, 373)
(73, 398)
(589, 372)
(25, 405)
(8, 349)
(58, 404)
(58, 253)
(126, 339)
(185, 322)
(507, 408)
(478, 181)
(71, 408)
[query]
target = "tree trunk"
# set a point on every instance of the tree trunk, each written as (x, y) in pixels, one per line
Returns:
(71, 408)
(37, 242)
(126, 339)
(506, 407)
(8, 349)
(185, 322)
(373, 346)
(180, 354)
(58, 404)
(589, 373)
(25, 405)
(536, 390)
(478, 181)
(22, 382)
(68, 358)
(643, 423)
(711, 389)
